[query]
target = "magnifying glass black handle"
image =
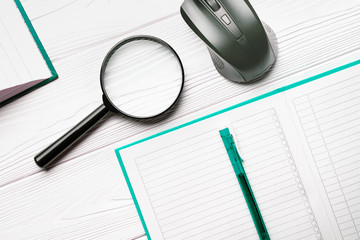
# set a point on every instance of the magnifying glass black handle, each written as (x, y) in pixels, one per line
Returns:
(50, 153)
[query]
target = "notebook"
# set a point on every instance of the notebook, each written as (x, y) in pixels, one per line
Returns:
(24, 64)
(300, 146)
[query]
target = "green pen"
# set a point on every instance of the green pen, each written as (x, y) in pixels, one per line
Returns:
(239, 170)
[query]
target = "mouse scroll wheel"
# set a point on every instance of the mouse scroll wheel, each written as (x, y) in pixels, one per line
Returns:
(213, 5)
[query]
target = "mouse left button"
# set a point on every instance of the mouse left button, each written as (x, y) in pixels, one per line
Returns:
(213, 5)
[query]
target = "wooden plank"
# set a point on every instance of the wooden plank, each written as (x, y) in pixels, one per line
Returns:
(70, 203)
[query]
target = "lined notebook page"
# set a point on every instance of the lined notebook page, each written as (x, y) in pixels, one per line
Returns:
(20, 58)
(193, 190)
(301, 155)
(194, 193)
(274, 178)
(330, 121)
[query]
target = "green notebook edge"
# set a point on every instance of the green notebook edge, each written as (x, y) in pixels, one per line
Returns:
(43, 53)
(265, 95)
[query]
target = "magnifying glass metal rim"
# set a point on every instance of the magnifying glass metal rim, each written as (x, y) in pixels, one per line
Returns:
(107, 100)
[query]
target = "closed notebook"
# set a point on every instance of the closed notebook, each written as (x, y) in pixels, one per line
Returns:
(24, 64)
(300, 147)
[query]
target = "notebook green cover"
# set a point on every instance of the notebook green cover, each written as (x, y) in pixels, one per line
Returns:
(42, 50)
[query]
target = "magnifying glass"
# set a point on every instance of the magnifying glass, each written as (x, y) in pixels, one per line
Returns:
(141, 77)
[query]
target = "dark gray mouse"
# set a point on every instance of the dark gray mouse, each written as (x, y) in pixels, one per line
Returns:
(241, 46)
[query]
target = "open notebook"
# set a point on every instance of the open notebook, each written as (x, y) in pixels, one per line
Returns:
(24, 64)
(301, 150)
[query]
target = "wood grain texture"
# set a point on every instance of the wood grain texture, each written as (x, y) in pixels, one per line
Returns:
(85, 195)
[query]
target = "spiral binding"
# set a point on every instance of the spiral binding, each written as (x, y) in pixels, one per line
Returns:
(296, 175)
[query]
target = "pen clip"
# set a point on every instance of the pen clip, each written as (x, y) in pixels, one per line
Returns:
(232, 151)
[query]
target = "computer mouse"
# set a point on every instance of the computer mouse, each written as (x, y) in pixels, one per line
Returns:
(242, 47)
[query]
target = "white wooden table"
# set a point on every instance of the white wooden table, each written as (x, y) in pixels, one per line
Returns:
(85, 195)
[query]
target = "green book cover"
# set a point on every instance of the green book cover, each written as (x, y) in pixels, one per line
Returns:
(25, 65)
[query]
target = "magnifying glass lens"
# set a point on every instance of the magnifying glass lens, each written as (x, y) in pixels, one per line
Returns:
(142, 78)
